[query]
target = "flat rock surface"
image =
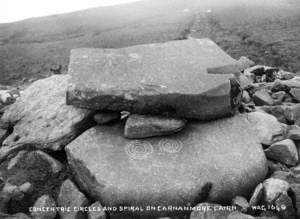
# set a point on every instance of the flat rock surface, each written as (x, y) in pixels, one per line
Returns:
(41, 117)
(205, 162)
(165, 78)
(143, 126)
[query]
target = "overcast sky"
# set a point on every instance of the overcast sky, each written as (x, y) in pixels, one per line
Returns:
(14, 10)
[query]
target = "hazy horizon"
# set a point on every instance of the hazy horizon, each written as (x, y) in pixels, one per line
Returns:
(18, 10)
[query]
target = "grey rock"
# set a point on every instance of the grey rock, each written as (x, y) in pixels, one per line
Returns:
(96, 212)
(246, 97)
(42, 119)
(285, 75)
(165, 78)
(292, 112)
(44, 202)
(143, 126)
(38, 157)
(241, 203)
(3, 135)
(296, 94)
(190, 167)
(292, 83)
(26, 188)
(273, 188)
(70, 196)
(245, 62)
(267, 126)
(106, 117)
(278, 96)
(257, 195)
(262, 97)
(283, 151)
(293, 132)
(285, 206)
(277, 111)
(295, 187)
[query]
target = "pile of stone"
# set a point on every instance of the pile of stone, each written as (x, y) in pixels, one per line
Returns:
(153, 131)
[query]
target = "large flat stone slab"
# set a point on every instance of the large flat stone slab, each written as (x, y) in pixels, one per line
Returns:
(40, 117)
(213, 162)
(166, 78)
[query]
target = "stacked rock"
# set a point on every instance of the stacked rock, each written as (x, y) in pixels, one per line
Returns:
(165, 141)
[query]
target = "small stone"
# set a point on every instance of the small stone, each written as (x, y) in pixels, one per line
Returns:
(293, 132)
(268, 128)
(279, 96)
(262, 97)
(245, 62)
(12, 191)
(70, 196)
(54, 165)
(279, 86)
(295, 188)
(273, 167)
(296, 94)
(283, 151)
(143, 126)
(26, 188)
(97, 214)
(273, 188)
(285, 75)
(44, 202)
(241, 203)
(246, 97)
(106, 117)
(285, 206)
(256, 195)
(244, 81)
(15, 160)
(288, 98)
(292, 112)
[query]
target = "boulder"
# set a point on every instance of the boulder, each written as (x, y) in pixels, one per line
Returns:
(292, 112)
(42, 119)
(267, 126)
(106, 117)
(143, 126)
(284, 151)
(164, 78)
(273, 188)
(184, 169)
(42, 203)
(70, 197)
(262, 97)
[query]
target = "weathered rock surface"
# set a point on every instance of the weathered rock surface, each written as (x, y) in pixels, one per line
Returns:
(143, 126)
(106, 117)
(262, 97)
(284, 151)
(167, 78)
(70, 196)
(267, 126)
(273, 188)
(241, 203)
(183, 169)
(42, 203)
(285, 204)
(42, 118)
(96, 212)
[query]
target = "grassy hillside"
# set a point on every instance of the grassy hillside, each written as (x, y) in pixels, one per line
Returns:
(266, 32)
